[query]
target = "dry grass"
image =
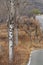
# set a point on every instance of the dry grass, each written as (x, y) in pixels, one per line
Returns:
(21, 51)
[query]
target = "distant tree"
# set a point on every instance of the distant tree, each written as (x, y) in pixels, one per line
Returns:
(34, 12)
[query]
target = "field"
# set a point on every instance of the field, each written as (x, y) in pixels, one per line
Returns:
(21, 51)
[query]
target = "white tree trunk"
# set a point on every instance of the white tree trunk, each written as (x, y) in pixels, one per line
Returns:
(11, 31)
(13, 4)
(11, 42)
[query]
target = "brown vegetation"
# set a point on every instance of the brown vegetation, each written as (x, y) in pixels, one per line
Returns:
(29, 36)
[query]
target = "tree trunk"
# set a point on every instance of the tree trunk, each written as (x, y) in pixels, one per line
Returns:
(11, 32)
(16, 29)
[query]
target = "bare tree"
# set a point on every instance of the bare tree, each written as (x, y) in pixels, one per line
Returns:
(17, 16)
(12, 26)
(11, 30)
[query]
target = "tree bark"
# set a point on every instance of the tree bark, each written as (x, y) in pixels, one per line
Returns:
(11, 31)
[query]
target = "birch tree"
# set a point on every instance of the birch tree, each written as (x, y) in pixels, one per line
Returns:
(11, 30)
(12, 25)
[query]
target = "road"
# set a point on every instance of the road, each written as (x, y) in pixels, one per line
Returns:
(36, 58)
